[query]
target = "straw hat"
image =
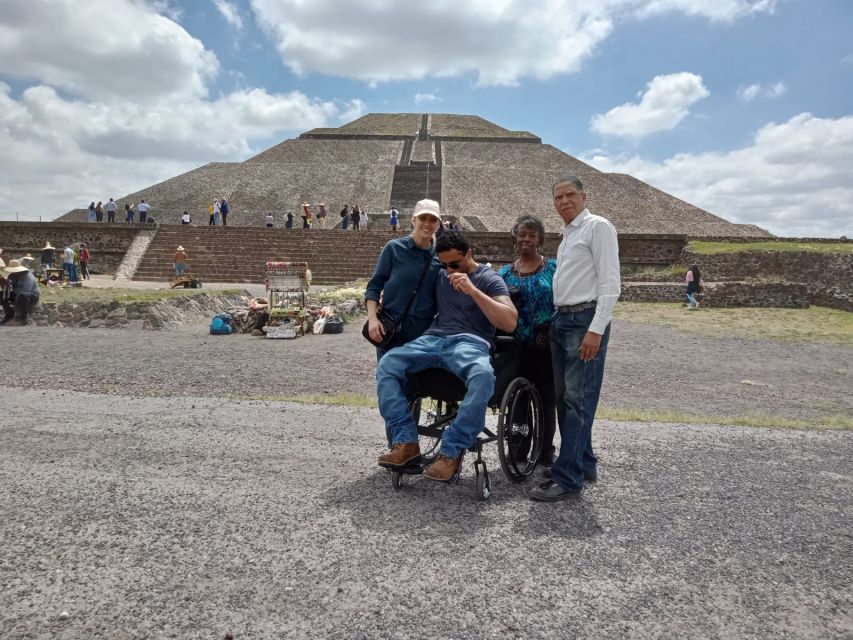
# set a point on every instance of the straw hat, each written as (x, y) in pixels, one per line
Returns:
(180, 248)
(15, 266)
(27, 258)
(47, 246)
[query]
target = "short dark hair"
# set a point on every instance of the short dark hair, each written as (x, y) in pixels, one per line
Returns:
(529, 221)
(450, 240)
(573, 179)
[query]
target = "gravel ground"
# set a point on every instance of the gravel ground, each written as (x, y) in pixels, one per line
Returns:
(159, 507)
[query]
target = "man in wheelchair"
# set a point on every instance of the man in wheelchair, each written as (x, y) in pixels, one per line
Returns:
(472, 300)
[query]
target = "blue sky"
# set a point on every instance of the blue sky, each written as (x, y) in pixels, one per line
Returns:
(743, 107)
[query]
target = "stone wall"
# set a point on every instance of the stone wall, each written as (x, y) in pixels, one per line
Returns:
(158, 314)
(107, 242)
(633, 248)
(827, 276)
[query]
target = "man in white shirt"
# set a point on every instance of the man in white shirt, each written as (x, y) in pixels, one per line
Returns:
(143, 209)
(586, 288)
(111, 210)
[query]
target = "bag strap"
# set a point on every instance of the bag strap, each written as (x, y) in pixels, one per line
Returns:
(414, 293)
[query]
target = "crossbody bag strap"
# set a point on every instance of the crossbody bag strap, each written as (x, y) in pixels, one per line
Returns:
(414, 293)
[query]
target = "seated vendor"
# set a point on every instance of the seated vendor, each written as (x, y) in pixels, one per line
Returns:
(20, 293)
(472, 300)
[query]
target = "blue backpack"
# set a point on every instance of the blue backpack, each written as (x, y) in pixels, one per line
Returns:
(221, 325)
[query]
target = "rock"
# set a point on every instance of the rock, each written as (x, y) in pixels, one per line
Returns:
(64, 615)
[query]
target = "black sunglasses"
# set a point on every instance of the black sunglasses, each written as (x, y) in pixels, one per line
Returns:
(450, 265)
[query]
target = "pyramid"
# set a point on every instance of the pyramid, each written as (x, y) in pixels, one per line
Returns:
(485, 176)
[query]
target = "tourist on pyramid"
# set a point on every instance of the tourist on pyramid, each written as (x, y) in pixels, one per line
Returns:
(180, 260)
(143, 208)
(90, 212)
(185, 218)
(363, 220)
(321, 215)
(128, 213)
(355, 217)
(111, 207)
(288, 220)
(269, 220)
(210, 213)
(224, 209)
(395, 219)
(471, 301)
(345, 216)
(99, 212)
(306, 215)
(217, 212)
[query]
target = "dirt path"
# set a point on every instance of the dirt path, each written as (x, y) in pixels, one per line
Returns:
(651, 368)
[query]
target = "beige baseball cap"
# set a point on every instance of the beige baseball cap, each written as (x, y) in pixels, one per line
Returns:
(427, 207)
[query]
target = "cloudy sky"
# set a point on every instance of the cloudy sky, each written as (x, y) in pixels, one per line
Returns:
(743, 107)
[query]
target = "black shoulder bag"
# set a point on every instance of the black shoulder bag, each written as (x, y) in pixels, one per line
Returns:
(392, 327)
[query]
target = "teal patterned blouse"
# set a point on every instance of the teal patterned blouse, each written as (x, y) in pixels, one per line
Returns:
(537, 291)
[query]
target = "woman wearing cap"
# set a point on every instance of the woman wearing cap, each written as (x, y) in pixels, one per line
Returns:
(532, 274)
(404, 264)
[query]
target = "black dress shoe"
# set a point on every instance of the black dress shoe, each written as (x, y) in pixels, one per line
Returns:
(590, 477)
(550, 491)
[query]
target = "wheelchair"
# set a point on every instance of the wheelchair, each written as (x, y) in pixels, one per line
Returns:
(434, 396)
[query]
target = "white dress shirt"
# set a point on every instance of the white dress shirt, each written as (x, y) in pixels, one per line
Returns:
(588, 267)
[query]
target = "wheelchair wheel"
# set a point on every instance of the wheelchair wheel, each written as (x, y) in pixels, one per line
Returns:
(432, 417)
(520, 429)
(396, 480)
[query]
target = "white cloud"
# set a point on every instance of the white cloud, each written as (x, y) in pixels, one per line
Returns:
(665, 103)
(105, 115)
(796, 179)
(108, 50)
(750, 92)
(499, 42)
(230, 13)
(778, 89)
(717, 10)
(426, 97)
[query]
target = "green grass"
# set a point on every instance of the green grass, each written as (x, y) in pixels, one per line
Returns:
(649, 273)
(765, 420)
(836, 422)
(77, 295)
(702, 247)
(815, 324)
(350, 291)
(343, 399)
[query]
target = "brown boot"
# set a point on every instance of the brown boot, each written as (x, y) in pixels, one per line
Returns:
(401, 455)
(443, 469)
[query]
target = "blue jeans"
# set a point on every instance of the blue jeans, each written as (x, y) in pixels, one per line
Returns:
(691, 298)
(577, 386)
(179, 269)
(463, 356)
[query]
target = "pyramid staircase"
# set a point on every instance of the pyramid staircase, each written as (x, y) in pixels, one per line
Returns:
(239, 254)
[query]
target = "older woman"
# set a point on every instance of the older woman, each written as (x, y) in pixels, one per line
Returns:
(533, 274)
(406, 264)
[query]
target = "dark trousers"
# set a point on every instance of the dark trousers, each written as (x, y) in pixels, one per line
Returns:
(18, 307)
(224, 219)
(111, 216)
(535, 365)
(142, 217)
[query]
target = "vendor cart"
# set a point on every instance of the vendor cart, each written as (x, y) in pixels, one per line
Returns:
(187, 281)
(287, 287)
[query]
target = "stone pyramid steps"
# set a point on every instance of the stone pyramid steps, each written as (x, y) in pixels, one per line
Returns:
(239, 254)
